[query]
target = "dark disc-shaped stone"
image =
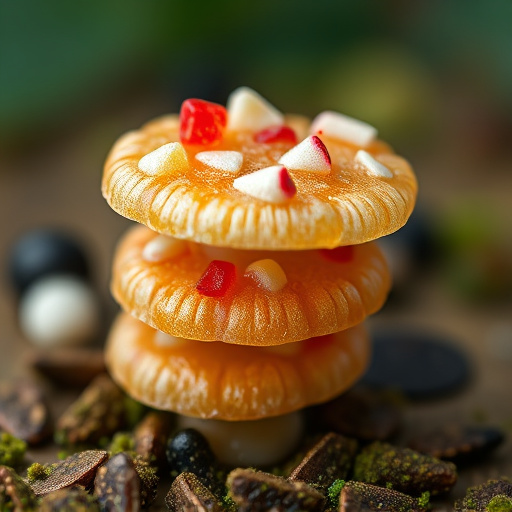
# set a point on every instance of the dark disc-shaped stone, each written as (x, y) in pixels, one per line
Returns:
(44, 252)
(418, 364)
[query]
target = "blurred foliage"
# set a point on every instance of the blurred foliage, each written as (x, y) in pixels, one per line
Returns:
(60, 59)
(470, 40)
(475, 254)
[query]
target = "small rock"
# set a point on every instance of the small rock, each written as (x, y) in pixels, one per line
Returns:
(23, 411)
(148, 480)
(97, 413)
(75, 367)
(190, 452)
(365, 414)
(150, 437)
(58, 311)
(188, 493)
(117, 485)
(15, 494)
(77, 469)
(73, 499)
(458, 443)
(418, 364)
(493, 496)
(362, 497)
(404, 470)
(329, 460)
(45, 252)
(257, 491)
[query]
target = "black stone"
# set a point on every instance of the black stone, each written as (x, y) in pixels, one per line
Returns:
(45, 252)
(366, 414)
(417, 364)
(190, 452)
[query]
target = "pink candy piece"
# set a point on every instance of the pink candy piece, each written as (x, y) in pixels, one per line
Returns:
(201, 122)
(310, 155)
(272, 184)
(276, 134)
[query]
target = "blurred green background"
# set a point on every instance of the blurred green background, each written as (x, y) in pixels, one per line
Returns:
(404, 66)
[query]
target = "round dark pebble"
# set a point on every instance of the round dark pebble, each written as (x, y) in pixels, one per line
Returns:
(418, 364)
(190, 451)
(44, 252)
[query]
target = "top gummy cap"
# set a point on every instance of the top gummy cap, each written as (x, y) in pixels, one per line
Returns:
(249, 177)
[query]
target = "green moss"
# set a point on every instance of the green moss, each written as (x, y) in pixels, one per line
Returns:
(403, 469)
(122, 442)
(334, 492)
(16, 492)
(229, 504)
(12, 450)
(424, 499)
(500, 503)
(492, 496)
(38, 472)
(148, 480)
(133, 411)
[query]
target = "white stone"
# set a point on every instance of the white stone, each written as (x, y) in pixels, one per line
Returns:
(247, 110)
(162, 248)
(59, 310)
(250, 443)
(310, 155)
(227, 161)
(343, 127)
(265, 184)
(371, 165)
(170, 158)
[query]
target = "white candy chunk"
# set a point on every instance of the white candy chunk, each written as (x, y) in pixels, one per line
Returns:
(59, 310)
(167, 159)
(228, 161)
(247, 110)
(163, 248)
(371, 165)
(310, 155)
(272, 184)
(250, 443)
(162, 339)
(343, 127)
(267, 274)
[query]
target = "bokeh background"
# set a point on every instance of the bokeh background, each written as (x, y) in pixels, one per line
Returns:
(435, 77)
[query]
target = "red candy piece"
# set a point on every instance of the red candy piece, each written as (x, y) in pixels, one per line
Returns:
(276, 134)
(202, 122)
(341, 254)
(217, 279)
(286, 183)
